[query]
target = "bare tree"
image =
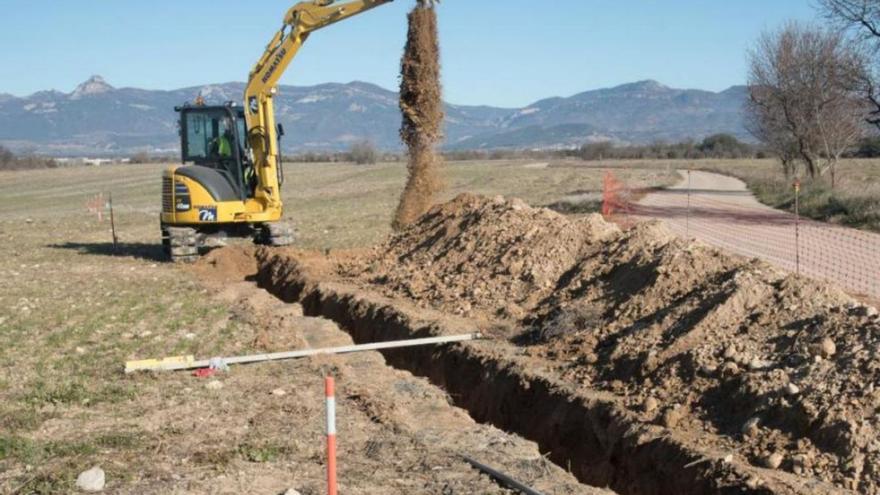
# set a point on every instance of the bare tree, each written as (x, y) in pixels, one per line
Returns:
(364, 153)
(861, 18)
(801, 99)
(10, 161)
(772, 133)
(861, 14)
(140, 157)
(596, 151)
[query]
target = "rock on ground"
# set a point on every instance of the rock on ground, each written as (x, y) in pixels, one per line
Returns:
(92, 480)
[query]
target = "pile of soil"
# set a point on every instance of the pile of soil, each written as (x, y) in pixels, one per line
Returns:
(474, 254)
(421, 107)
(776, 368)
(230, 264)
(780, 368)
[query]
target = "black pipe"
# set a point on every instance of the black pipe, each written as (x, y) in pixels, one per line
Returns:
(502, 478)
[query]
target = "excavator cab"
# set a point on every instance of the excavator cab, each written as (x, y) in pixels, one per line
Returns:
(215, 138)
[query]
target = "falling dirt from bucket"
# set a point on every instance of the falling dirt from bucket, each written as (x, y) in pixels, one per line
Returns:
(421, 105)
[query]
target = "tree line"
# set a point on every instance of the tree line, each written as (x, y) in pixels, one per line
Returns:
(716, 146)
(813, 89)
(11, 161)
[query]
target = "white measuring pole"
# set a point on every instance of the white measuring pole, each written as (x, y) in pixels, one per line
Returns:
(188, 363)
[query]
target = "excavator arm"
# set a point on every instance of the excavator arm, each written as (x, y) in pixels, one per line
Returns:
(299, 22)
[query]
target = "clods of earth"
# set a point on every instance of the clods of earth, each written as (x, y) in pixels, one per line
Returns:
(777, 371)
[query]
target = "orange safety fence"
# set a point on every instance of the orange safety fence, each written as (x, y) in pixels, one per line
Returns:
(732, 221)
(615, 197)
(96, 205)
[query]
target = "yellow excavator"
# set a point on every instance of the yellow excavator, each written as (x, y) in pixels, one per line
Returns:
(230, 180)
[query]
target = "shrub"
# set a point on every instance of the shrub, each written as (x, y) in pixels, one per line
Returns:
(363, 153)
(141, 157)
(9, 161)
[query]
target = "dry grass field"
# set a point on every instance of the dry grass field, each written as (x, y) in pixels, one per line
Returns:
(72, 310)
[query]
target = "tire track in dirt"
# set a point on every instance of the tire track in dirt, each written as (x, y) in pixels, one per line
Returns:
(720, 211)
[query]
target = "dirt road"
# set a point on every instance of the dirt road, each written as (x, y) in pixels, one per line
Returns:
(720, 210)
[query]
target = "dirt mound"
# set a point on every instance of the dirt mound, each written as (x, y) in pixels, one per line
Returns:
(233, 263)
(421, 106)
(491, 255)
(778, 369)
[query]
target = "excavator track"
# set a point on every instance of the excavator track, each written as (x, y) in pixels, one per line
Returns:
(181, 244)
(276, 234)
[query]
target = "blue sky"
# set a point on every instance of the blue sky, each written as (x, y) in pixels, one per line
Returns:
(504, 53)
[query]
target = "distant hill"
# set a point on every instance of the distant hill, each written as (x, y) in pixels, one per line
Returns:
(97, 118)
(639, 112)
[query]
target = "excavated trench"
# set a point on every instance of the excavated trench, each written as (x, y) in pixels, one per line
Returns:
(589, 433)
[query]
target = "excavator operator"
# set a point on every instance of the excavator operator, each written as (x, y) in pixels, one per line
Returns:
(222, 145)
(222, 148)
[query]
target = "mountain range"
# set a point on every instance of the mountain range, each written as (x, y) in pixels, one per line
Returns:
(99, 119)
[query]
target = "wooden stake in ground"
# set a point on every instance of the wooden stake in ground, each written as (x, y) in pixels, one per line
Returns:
(421, 104)
(112, 222)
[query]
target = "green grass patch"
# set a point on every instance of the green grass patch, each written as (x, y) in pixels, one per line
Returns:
(216, 458)
(73, 392)
(261, 453)
(819, 201)
(47, 483)
(21, 418)
(42, 393)
(576, 207)
(120, 440)
(29, 451)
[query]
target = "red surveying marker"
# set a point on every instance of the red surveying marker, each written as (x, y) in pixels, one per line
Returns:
(329, 392)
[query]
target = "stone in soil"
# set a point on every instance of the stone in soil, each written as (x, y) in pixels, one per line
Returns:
(774, 460)
(92, 480)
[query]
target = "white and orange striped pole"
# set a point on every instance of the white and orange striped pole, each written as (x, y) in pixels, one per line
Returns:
(330, 393)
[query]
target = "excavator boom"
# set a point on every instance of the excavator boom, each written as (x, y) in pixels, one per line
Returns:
(299, 22)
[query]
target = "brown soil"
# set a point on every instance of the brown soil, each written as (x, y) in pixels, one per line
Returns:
(722, 353)
(421, 105)
(264, 429)
(473, 255)
(590, 433)
(233, 263)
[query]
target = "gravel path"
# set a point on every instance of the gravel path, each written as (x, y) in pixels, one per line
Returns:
(719, 210)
